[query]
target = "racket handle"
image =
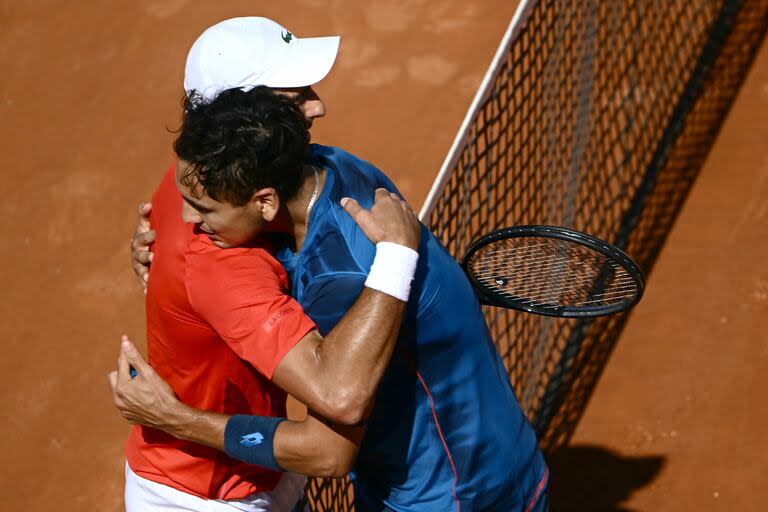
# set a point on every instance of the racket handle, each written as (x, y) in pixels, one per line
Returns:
(134, 373)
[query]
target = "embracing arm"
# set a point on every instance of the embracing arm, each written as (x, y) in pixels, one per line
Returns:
(337, 376)
(313, 447)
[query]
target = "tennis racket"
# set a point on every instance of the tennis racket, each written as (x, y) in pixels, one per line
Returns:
(553, 271)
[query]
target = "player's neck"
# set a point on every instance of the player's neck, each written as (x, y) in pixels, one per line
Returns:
(293, 218)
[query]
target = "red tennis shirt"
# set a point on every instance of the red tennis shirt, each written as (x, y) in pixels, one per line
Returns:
(218, 323)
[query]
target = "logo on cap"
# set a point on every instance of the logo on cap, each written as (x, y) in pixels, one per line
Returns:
(287, 36)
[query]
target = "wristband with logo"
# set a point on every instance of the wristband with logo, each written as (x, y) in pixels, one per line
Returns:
(251, 439)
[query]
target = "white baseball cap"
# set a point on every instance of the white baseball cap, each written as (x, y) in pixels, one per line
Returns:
(247, 52)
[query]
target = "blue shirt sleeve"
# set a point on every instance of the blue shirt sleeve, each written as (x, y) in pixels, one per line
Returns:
(329, 298)
(384, 182)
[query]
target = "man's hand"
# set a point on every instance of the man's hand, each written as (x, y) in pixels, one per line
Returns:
(390, 219)
(145, 399)
(143, 237)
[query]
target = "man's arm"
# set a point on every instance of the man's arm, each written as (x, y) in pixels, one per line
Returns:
(313, 447)
(337, 376)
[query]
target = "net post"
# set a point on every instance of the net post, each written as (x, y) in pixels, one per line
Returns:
(518, 19)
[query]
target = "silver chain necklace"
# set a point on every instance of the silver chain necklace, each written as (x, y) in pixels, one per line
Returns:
(314, 195)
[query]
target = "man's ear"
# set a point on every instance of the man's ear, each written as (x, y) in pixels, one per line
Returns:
(267, 201)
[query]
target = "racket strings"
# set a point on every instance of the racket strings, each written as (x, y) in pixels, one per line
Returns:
(531, 258)
(535, 262)
(552, 273)
(575, 281)
(549, 287)
(539, 266)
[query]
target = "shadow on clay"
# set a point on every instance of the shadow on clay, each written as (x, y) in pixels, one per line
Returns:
(589, 477)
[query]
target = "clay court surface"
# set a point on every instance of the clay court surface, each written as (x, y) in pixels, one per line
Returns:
(87, 95)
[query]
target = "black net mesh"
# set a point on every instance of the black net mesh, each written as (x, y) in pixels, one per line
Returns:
(598, 118)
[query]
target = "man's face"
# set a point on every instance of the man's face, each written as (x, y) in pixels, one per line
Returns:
(226, 225)
(307, 100)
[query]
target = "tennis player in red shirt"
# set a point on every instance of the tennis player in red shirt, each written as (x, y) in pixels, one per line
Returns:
(219, 322)
(224, 333)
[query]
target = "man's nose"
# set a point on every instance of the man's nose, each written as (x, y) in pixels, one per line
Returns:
(313, 106)
(189, 214)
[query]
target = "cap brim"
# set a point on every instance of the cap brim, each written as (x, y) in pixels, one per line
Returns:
(305, 62)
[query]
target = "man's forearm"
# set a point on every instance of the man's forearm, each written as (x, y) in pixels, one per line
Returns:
(190, 424)
(312, 447)
(316, 447)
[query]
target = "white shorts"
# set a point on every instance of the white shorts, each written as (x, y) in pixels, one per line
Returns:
(142, 495)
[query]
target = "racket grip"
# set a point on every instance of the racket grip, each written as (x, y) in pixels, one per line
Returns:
(134, 373)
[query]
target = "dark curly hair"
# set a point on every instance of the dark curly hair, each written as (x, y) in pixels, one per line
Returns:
(242, 141)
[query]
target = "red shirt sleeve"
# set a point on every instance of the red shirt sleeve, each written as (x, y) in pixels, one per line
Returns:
(243, 294)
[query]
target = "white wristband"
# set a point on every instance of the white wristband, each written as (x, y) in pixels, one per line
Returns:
(392, 270)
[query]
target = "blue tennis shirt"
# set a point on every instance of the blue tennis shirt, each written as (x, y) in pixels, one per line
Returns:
(446, 431)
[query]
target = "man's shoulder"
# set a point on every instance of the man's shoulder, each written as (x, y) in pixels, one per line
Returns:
(210, 268)
(166, 200)
(257, 257)
(336, 154)
(339, 246)
(352, 171)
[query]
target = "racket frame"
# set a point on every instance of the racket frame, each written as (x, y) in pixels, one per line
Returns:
(612, 252)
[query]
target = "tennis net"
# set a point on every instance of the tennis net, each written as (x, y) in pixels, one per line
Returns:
(596, 116)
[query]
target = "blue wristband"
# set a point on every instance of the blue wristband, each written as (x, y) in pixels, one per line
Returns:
(251, 439)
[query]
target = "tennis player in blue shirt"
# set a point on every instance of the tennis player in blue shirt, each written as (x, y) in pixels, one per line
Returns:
(446, 431)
